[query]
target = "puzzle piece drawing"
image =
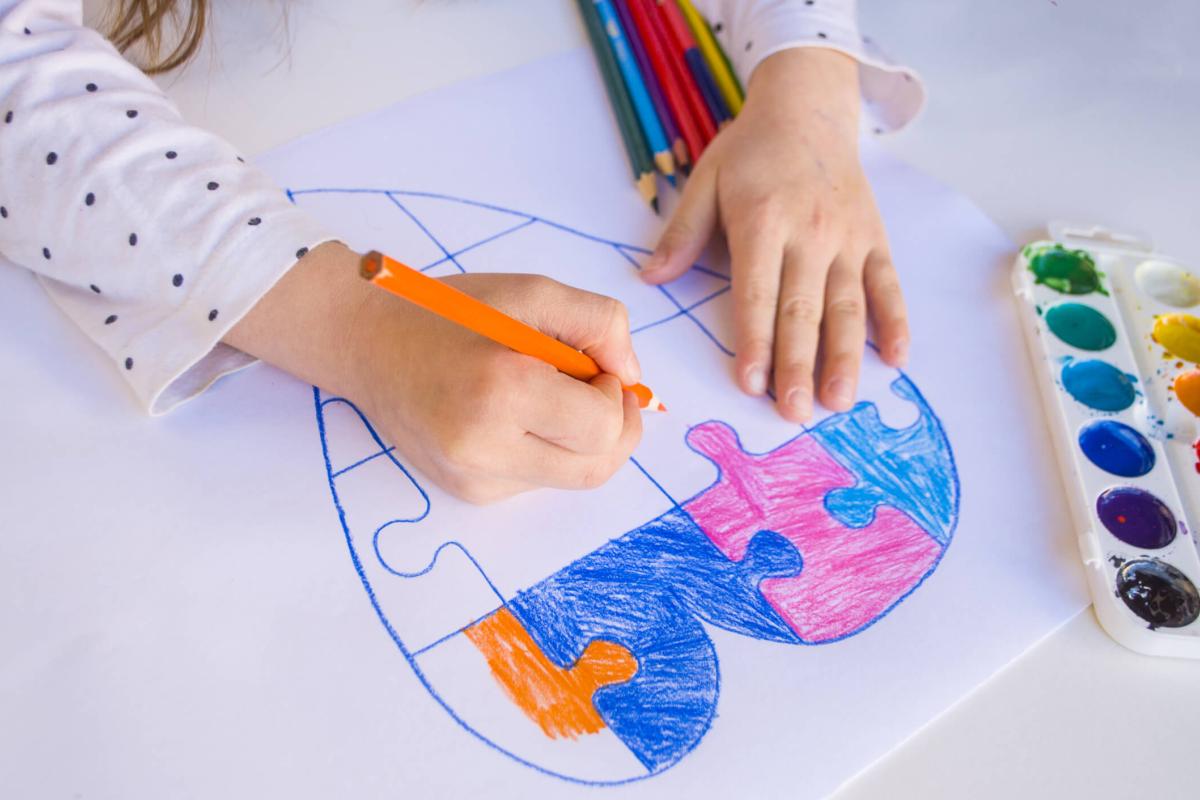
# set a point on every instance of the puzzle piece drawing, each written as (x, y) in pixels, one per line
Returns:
(648, 591)
(558, 700)
(851, 575)
(910, 469)
(602, 670)
(428, 587)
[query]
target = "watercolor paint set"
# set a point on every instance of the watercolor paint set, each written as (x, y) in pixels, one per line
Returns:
(1114, 332)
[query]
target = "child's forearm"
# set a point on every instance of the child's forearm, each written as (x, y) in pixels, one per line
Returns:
(812, 88)
(308, 323)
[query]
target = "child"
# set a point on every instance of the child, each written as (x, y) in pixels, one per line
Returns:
(184, 263)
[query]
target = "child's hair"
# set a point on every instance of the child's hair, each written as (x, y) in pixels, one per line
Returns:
(143, 21)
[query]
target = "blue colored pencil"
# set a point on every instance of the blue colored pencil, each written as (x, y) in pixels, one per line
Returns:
(674, 140)
(708, 86)
(642, 104)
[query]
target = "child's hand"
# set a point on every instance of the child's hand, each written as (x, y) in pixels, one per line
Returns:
(482, 421)
(486, 422)
(809, 251)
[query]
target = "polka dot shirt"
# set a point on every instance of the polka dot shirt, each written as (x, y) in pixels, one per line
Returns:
(156, 237)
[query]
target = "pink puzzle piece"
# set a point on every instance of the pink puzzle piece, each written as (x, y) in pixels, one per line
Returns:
(850, 575)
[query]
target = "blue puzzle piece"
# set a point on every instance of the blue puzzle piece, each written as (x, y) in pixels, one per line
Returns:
(648, 590)
(911, 469)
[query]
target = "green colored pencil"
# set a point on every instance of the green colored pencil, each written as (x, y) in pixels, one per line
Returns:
(618, 96)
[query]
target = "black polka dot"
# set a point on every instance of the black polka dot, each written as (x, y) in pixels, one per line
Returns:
(239, 158)
(91, 87)
(90, 199)
(302, 252)
(808, 2)
(171, 154)
(129, 363)
(177, 280)
(748, 46)
(132, 239)
(8, 118)
(213, 186)
(821, 35)
(879, 130)
(3, 212)
(717, 28)
(212, 315)
(95, 288)
(46, 253)
(51, 157)
(255, 221)
(28, 32)
(131, 113)
(110, 319)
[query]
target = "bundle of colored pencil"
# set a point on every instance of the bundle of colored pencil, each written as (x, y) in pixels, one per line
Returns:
(670, 84)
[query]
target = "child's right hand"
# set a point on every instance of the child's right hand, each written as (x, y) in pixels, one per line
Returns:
(482, 421)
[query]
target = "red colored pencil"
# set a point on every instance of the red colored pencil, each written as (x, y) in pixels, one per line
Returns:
(683, 76)
(672, 92)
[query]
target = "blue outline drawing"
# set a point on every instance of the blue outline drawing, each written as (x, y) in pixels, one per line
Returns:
(655, 588)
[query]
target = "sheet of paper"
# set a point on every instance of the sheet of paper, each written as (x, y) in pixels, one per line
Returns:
(256, 596)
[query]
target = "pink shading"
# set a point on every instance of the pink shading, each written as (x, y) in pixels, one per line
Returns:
(850, 575)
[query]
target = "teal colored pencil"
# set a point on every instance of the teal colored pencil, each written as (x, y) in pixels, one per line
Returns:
(643, 106)
(635, 141)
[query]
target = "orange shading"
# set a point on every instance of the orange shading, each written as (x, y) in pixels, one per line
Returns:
(1187, 389)
(558, 700)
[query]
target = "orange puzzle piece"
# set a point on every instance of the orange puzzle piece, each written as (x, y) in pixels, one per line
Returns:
(558, 700)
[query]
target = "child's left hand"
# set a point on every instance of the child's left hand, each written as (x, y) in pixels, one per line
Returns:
(809, 251)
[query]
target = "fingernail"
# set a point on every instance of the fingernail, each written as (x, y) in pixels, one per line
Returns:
(756, 380)
(839, 391)
(633, 370)
(799, 402)
(900, 353)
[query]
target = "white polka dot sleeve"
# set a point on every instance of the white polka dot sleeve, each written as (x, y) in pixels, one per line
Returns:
(154, 236)
(751, 30)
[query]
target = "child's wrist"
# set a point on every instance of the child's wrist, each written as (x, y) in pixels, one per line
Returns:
(807, 85)
(305, 324)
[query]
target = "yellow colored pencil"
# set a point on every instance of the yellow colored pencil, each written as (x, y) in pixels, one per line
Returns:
(727, 85)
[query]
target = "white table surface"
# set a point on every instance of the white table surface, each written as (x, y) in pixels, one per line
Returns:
(1087, 110)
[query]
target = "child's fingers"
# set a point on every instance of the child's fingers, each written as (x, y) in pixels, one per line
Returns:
(585, 418)
(757, 252)
(689, 230)
(886, 303)
(536, 461)
(596, 324)
(797, 330)
(843, 334)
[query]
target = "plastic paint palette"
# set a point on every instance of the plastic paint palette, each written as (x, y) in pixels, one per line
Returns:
(1114, 331)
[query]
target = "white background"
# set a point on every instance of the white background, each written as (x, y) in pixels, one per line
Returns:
(1080, 110)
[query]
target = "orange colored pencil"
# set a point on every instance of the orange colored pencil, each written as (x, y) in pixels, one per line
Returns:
(475, 315)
